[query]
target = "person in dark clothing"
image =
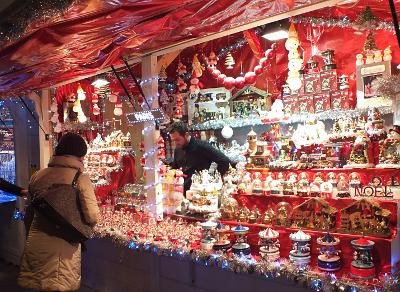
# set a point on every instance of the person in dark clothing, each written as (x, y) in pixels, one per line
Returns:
(194, 155)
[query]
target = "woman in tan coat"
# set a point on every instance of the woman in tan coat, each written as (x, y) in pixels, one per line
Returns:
(50, 263)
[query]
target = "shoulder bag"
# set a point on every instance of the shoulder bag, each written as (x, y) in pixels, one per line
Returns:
(60, 205)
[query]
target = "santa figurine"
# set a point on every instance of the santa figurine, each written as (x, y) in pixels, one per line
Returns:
(360, 156)
(389, 156)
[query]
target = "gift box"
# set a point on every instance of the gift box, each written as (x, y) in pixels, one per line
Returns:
(329, 80)
(290, 104)
(340, 100)
(312, 83)
(322, 102)
(306, 103)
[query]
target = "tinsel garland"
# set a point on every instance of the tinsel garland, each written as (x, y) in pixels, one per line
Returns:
(294, 118)
(38, 11)
(389, 86)
(342, 22)
(283, 269)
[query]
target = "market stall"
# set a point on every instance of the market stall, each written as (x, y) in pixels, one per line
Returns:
(310, 122)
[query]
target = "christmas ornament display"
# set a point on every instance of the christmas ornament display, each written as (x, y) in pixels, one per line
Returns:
(269, 244)
(249, 77)
(300, 253)
(363, 264)
(329, 258)
(241, 247)
(295, 62)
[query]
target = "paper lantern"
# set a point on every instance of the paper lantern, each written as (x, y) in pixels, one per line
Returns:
(227, 132)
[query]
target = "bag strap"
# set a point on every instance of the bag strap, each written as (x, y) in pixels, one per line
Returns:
(75, 181)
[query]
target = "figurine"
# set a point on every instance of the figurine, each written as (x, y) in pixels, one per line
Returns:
(240, 247)
(370, 58)
(378, 56)
(303, 185)
(362, 266)
(290, 185)
(389, 155)
(257, 184)
(328, 259)
(343, 82)
(208, 238)
(300, 253)
(269, 244)
(387, 54)
(222, 242)
(359, 153)
(359, 59)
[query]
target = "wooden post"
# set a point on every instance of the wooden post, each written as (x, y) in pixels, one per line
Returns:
(150, 89)
(42, 105)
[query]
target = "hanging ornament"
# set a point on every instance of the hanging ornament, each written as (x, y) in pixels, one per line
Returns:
(81, 93)
(95, 98)
(57, 128)
(295, 62)
(181, 84)
(118, 109)
(54, 118)
(141, 146)
(229, 61)
(77, 106)
(197, 67)
(194, 87)
(248, 78)
(162, 75)
(212, 61)
(181, 69)
(112, 98)
(96, 109)
(142, 161)
(227, 132)
(54, 107)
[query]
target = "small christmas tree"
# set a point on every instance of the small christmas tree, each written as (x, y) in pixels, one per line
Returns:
(370, 44)
(229, 61)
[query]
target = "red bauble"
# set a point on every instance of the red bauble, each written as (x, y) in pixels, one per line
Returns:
(250, 77)
(229, 82)
(239, 82)
(216, 72)
(221, 78)
(263, 61)
(258, 69)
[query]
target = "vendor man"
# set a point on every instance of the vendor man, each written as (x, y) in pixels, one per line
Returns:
(194, 155)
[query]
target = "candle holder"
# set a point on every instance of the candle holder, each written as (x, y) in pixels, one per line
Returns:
(241, 247)
(300, 254)
(269, 244)
(329, 259)
(363, 265)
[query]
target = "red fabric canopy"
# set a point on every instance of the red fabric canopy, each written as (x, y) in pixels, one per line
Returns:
(93, 34)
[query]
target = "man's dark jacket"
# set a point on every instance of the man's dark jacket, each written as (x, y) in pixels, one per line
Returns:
(196, 156)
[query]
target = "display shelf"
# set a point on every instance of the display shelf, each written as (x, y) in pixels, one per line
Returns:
(295, 118)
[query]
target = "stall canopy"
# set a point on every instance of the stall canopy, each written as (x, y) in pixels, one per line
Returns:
(93, 34)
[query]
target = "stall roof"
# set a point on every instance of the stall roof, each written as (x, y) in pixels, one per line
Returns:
(93, 34)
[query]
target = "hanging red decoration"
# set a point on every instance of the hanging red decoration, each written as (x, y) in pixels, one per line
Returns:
(249, 78)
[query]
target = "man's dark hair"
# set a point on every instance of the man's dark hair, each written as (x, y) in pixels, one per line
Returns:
(178, 127)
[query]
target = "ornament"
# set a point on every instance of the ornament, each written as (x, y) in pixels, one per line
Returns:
(81, 93)
(295, 62)
(181, 69)
(229, 83)
(113, 98)
(77, 106)
(95, 98)
(197, 67)
(181, 84)
(227, 132)
(212, 60)
(96, 109)
(359, 59)
(118, 109)
(194, 87)
(362, 266)
(250, 78)
(387, 54)
(162, 75)
(229, 61)
(54, 107)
